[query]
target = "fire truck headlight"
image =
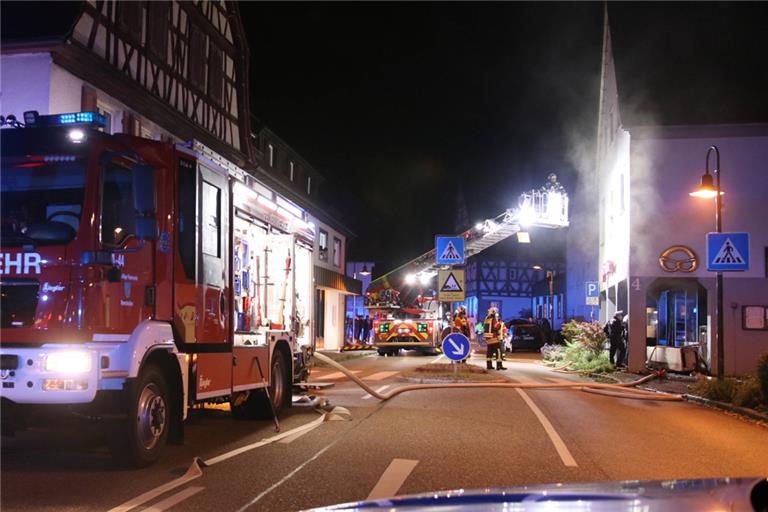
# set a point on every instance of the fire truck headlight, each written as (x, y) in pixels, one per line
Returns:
(69, 362)
(76, 135)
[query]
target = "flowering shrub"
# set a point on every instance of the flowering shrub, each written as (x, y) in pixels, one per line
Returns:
(589, 335)
(583, 350)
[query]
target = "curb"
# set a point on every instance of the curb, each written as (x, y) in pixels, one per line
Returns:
(750, 413)
(356, 347)
(450, 381)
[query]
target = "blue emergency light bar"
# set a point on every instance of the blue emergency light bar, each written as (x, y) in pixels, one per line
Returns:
(92, 119)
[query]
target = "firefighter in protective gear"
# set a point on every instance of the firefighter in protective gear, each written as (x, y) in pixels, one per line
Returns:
(492, 336)
(461, 324)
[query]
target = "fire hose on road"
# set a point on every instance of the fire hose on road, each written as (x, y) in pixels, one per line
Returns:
(622, 390)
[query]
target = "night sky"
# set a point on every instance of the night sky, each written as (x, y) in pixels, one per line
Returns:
(401, 105)
(412, 109)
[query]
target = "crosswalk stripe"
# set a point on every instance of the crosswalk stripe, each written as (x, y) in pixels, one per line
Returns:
(368, 396)
(392, 479)
(380, 375)
(336, 375)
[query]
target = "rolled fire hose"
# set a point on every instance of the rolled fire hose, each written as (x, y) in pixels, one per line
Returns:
(623, 390)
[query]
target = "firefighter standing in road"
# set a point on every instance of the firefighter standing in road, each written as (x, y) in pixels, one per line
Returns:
(492, 336)
(461, 324)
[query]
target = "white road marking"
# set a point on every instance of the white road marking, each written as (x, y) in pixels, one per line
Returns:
(174, 499)
(278, 437)
(435, 360)
(368, 396)
(285, 478)
(193, 472)
(380, 375)
(557, 441)
(392, 478)
(336, 375)
(298, 434)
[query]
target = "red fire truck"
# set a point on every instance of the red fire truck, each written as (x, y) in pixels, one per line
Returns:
(140, 278)
(397, 327)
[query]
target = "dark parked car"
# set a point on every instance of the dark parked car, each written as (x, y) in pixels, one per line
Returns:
(524, 335)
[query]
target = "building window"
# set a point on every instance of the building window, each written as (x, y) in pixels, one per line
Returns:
(129, 17)
(216, 74)
(271, 154)
(291, 170)
(107, 113)
(560, 306)
(309, 185)
(196, 58)
(336, 252)
(157, 29)
(322, 245)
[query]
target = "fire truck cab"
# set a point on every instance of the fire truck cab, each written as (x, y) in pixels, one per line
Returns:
(140, 278)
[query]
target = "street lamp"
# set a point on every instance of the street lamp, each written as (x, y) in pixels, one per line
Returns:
(708, 190)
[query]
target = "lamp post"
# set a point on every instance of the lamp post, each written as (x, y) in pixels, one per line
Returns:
(709, 190)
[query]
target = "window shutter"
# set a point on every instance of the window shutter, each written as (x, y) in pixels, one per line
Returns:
(88, 99)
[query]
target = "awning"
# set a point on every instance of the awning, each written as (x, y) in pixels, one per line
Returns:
(330, 279)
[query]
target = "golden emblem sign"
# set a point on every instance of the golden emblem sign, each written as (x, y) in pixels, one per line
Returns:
(678, 258)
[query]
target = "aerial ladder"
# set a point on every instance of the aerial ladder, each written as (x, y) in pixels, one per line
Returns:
(545, 207)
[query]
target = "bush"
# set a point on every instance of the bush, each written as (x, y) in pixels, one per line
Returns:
(716, 389)
(762, 375)
(748, 393)
(589, 335)
(552, 352)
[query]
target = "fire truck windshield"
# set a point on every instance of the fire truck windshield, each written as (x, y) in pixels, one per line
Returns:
(42, 199)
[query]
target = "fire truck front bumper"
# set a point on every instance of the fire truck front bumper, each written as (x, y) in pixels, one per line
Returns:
(50, 374)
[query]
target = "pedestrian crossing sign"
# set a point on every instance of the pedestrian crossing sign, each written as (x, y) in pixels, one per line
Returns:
(727, 252)
(450, 285)
(449, 250)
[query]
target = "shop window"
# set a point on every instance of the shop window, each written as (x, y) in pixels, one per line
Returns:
(336, 252)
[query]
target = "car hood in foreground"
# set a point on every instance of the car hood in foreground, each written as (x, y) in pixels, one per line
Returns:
(733, 494)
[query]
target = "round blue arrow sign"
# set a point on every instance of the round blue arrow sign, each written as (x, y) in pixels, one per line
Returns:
(456, 346)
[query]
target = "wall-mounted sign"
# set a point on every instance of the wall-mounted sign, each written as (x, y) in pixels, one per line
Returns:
(755, 318)
(678, 258)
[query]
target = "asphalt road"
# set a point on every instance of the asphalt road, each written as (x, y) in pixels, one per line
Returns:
(420, 441)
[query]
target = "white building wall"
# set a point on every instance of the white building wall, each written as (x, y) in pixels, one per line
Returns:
(666, 166)
(25, 83)
(614, 186)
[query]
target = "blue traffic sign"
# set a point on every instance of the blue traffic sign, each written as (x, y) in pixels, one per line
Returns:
(456, 346)
(727, 252)
(449, 250)
(592, 289)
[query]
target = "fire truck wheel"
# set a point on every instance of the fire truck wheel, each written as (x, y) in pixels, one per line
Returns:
(256, 406)
(139, 440)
